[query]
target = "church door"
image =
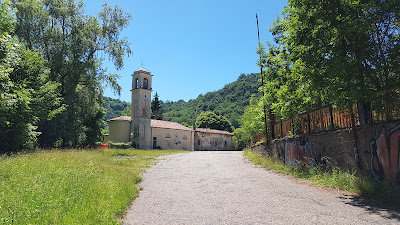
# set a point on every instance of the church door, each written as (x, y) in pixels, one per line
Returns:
(154, 142)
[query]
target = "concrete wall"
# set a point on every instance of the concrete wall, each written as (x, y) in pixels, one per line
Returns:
(119, 130)
(377, 154)
(212, 142)
(175, 140)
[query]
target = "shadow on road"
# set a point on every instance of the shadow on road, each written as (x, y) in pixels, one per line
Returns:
(372, 207)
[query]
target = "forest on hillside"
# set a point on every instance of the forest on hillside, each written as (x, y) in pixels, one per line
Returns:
(229, 101)
(115, 108)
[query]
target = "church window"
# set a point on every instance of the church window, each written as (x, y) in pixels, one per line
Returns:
(176, 139)
(136, 85)
(167, 136)
(226, 144)
(215, 143)
(184, 137)
(198, 142)
(145, 83)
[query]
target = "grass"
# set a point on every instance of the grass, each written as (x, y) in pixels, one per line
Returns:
(71, 186)
(379, 191)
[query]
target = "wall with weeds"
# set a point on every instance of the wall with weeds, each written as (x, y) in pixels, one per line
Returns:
(372, 152)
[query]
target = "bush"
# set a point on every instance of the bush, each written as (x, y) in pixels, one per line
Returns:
(120, 145)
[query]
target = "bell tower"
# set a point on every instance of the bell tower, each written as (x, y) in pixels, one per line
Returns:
(141, 108)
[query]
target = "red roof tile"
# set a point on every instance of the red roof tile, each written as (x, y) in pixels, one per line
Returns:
(174, 125)
(168, 125)
(204, 130)
(122, 118)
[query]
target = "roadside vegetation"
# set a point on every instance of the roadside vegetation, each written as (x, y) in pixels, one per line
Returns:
(379, 191)
(71, 187)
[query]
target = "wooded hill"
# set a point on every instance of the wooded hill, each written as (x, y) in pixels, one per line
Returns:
(114, 108)
(229, 101)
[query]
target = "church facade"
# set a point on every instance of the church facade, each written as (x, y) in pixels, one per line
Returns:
(147, 133)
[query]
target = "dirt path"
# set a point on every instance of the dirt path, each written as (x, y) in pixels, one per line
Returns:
(222, 188)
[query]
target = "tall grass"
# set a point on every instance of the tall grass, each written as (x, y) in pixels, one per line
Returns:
(71, 187)
(380, 191)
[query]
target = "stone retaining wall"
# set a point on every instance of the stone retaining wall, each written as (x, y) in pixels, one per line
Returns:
(377, 154)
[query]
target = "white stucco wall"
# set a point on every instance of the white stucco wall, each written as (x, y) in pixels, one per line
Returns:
(175, 141)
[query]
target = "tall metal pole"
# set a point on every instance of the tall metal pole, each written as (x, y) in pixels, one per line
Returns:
(262, 86)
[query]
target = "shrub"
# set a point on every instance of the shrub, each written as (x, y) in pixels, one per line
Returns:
(120, 145)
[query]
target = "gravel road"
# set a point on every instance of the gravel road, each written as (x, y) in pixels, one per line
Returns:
(224, 188)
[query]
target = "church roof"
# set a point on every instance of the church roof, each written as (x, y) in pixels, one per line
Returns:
(122, 118)
(212, 131)
(142, 70)
(168, 125)
(174, 125)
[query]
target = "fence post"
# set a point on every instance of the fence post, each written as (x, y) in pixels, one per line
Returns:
(364, 113)
(308, 124)
(272, 123)
(331, 114)
(281, 129)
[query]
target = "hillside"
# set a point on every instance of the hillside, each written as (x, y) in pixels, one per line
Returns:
(114, 107)
(229, 101)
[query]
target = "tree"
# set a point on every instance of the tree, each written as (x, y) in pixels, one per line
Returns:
(72, 44)
(347, 51)
(26, 94)
(213, 121)
(156, 112)
(251, 122)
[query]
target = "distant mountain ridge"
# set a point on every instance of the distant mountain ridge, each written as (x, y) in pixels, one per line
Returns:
(229, 101)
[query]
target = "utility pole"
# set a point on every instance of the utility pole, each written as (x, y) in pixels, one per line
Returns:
(262, 87)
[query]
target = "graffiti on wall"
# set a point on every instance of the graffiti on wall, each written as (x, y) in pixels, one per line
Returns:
(297, 152)
(385, 157)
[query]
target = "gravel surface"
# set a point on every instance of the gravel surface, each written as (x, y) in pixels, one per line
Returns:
(224, 188)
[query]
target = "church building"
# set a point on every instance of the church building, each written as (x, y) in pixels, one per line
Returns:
(147, 133)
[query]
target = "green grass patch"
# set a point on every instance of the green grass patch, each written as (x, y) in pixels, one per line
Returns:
(380, 191)
(71, 186)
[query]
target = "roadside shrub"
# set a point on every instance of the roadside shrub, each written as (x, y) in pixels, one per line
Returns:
(120, 145)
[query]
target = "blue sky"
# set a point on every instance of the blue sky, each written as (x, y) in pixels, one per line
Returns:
(191, 47)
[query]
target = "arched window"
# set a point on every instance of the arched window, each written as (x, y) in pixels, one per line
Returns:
(176, 139)
(167, 136)
(136, 84)
(184, 137)
(145, 83)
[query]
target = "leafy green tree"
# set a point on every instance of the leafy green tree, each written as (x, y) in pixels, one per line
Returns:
(239, 140)
(346, 50)
(26, 94)
(251, 122)
(213, 121)
(156, 112)
(73, 45)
